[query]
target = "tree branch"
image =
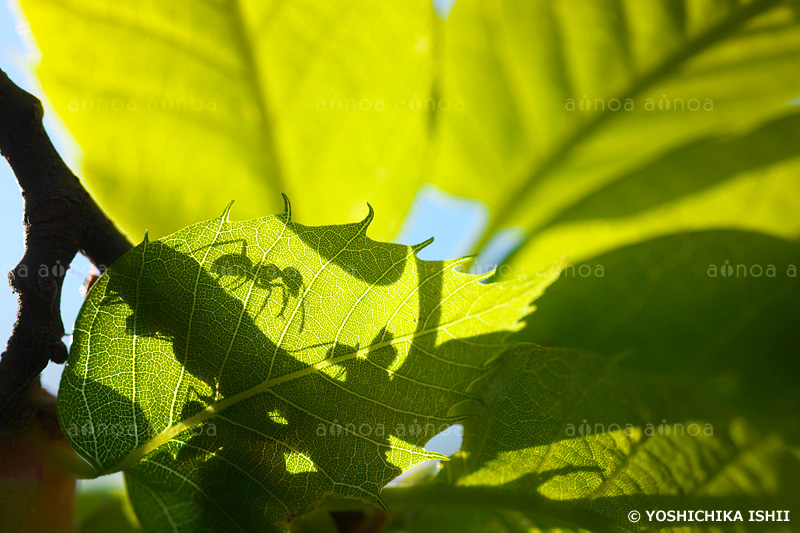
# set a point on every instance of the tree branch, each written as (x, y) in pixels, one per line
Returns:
(60, 220)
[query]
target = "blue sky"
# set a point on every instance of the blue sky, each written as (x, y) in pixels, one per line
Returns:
(15, 60)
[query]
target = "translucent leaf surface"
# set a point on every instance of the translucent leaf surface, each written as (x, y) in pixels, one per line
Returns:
(323, 102)
(690, 403)
(241, 371)
(565, 100)
(576, 441)
(534, 107)
(739, 292)
(747, 182)
(591, 124)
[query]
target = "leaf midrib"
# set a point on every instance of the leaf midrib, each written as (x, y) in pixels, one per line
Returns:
(172, 431)
(514, 201)
(274, 172)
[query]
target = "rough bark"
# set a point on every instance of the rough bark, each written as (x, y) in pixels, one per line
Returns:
(60, 220)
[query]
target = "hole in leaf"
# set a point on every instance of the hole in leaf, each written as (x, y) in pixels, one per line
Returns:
(448, 441)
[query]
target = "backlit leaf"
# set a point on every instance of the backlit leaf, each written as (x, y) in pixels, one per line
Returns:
(575, 441)
(321, 101)
(676, 110)
(241, 371)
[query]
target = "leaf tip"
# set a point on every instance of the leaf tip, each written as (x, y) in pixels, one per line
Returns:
(370, 215)
(481, 277)
(227, 211)
(287, 207)
(418, 247)
(461, 265)
(380, 502)
(146, 238)
(364, 224)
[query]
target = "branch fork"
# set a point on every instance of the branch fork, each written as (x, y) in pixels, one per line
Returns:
(60, 220)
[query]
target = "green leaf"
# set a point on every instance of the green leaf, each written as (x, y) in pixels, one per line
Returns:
(273, 97)
(690, 402)
(749, 182)
(692, 328)
(550, 103)
(574, 440)
(466, 518)
(576, 96)
(240, 371)
(100, 511)
(717, 303)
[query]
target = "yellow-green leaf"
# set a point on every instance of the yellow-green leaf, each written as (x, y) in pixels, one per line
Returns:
(240, 371)
(565, 100)
(323, 102)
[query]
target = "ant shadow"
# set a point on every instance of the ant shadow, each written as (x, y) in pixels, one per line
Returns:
(181, 308)
(282, 438)
(266, 276)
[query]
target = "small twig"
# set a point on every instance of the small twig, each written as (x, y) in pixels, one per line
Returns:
(60, 220)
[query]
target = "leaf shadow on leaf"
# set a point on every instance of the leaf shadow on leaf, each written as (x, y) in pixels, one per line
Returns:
(603, 436)
(688, 170)
(344, 245)
(529, 482)
(278, 450)
(610, 514)
(673, 342)
(196, 321)
(162, 310)
(268, 452)
(611, 507)
(187, 480)
(714, 308)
